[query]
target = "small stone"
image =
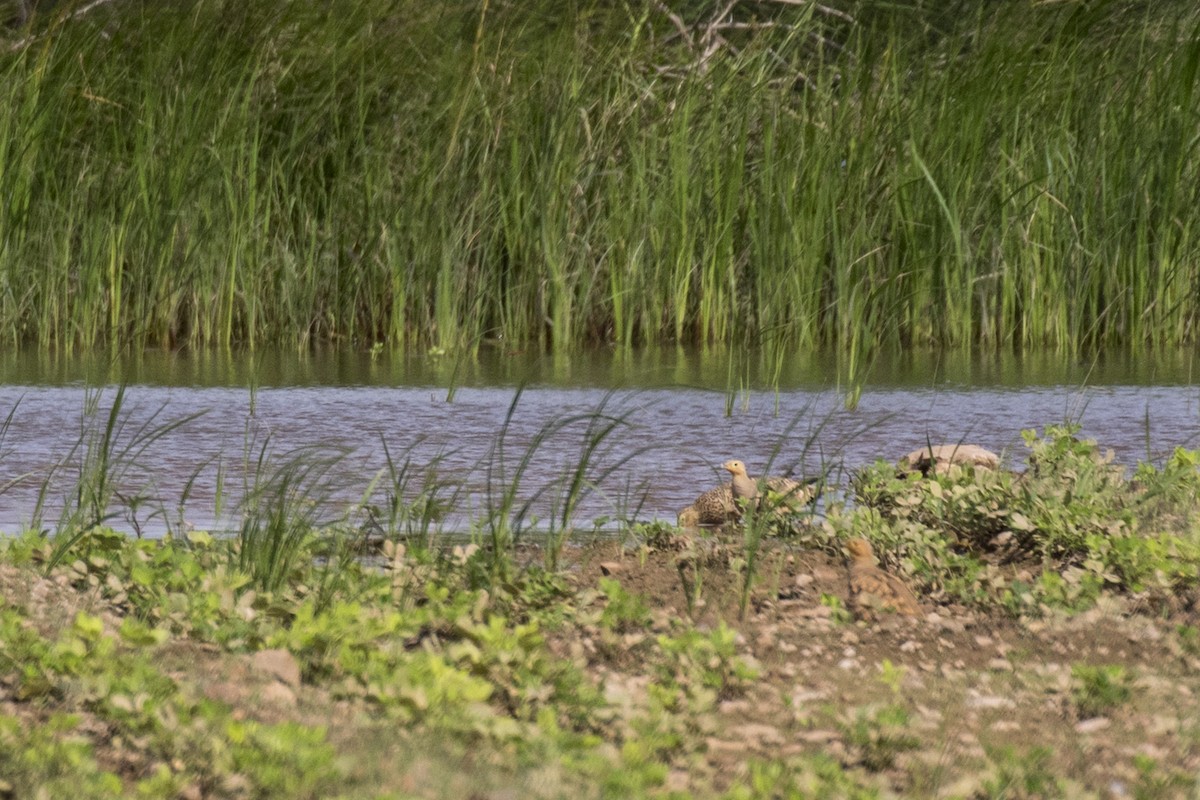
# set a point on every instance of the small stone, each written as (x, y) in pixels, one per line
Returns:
(611, 567)
(803, 580)
(1000, 665)
(279, 695)
(829, 575)
(279, 664)
(801, 696)
(989, 701)
(948, 624)
(677, 780)
(1093, 725)
(910, 646)
(227, 692)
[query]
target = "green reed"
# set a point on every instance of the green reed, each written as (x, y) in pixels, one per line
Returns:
(285, 504)
(219, 174)
(102, 468)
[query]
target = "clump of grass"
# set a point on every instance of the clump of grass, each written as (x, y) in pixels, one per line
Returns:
(1020, 774)
(511, 504)
(417, 498)
(880, 735)
(286, 502)
(108, 470)
(1099, 689)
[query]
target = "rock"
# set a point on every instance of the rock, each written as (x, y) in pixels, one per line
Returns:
(677, 780)
(1093, 725)
(948, 624)
(938, 458)
(279, 664)
(611, 567)
(987, 701)
(227, 692)
(734, 706)
(279, 695)
(802, 696)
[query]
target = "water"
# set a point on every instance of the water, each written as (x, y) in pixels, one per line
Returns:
(673, 435)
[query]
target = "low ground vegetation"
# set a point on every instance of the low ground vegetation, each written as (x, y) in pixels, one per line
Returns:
(1057, 657)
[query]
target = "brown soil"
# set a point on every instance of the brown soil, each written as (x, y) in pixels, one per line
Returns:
(973, 684)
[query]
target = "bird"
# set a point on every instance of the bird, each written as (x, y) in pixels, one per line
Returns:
(719, 505)
(872, 589)
(789, 493)
(714, 507)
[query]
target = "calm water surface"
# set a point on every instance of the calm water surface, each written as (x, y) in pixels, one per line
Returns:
(681, 417)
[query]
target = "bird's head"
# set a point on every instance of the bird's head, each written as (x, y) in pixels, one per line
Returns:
(860, 549)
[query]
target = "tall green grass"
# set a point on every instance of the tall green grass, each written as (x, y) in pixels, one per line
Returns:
(217, 173)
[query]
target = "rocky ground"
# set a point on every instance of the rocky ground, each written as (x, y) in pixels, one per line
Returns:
(959, 703)
(977, 689)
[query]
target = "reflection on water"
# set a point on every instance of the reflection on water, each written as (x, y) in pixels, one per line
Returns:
(713, 368)
(678, 435)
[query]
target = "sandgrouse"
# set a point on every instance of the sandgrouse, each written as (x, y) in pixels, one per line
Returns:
(719, 505)
(789, 493)
(872, 590)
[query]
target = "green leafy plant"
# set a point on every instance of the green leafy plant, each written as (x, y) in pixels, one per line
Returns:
(1098, 689)
(879, 735)
(799, 779)
(704, 667)
(623, 611)
(1073, 516)
(1027, 774)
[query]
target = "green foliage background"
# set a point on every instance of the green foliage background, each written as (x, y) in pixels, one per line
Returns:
(855, 174)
